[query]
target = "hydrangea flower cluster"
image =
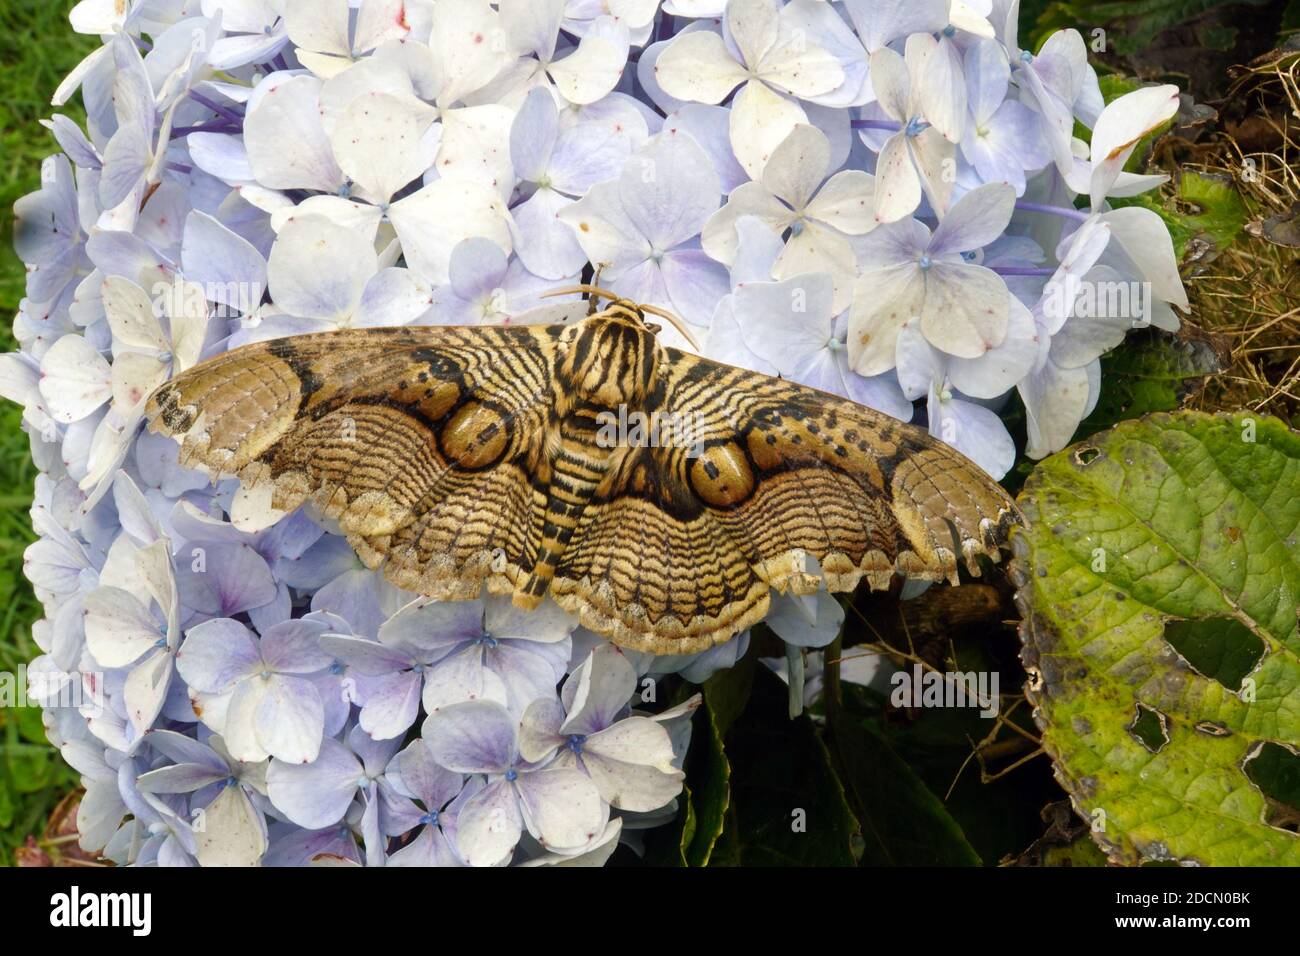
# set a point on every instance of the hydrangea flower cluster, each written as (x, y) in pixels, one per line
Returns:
(878, 198)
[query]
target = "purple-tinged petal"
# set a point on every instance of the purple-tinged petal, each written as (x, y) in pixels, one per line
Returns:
(391, 704)
(472, 737)
(218, 654)
(317, 794)
(975, 220)
(293, 647)
(605, 682)
(180, 778)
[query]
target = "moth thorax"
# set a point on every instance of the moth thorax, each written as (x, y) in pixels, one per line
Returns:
(611, 361)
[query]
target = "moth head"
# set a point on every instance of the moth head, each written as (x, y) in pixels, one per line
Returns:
(611, 358)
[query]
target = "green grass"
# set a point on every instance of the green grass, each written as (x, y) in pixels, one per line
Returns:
(37, 48)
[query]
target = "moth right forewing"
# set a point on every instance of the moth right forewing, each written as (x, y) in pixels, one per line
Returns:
(366, 423)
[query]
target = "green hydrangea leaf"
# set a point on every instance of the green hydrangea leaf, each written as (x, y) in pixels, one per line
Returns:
(788, 806)
(712, 775)
(1159, 580)
(1204, 215)
(1151, 371)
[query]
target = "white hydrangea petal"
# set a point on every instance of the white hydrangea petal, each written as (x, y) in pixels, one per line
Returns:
(287, 146)
(604, 231)
(218, 654)
(319, 25)
(433, 220)
(631, 764)
(668, 191)
(489, 826)
(460, 677)
(883, 302)
(1146, 240)
(800, 66)
(1120, 128)
(595, 67)
(697, 67)
(882, 21)
(1056, 400)
(890, 82)
(975, 220)
(362, 218)
(75, 379)
(603, 684)
(380, 145)
(318, 269)
(532, 25)
(533, 135)
(760, 119)
(798, 166)
(966, 309)
(933, 154)
(472, 737)
(846, 202)
(754, 26)
(146, 688)
(720, 236)
(290, 718)
(544, 243)
(381, 21)
(707, 125)
(135, 376)
(131, 315)
(539, 729)
(561, 808)
(898, 190)
(1000, 368)
(233, 832)
(227, 265)
(464, 46)
(940, 86)
(119, 629)
(819, 248)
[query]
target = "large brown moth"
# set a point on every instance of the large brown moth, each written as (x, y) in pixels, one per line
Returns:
(459, 457)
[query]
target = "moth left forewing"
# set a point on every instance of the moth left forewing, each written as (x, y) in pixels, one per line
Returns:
(691, 537)
(889, 498)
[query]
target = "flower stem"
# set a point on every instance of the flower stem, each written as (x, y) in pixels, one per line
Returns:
(795, 670)
(217, 126)
(1023, 270)
(222, 111)
(1066, 212)
(888, 126)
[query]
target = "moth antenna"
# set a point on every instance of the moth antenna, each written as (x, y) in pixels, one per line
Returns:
(677, 323)
(591, 290)
(596, 291)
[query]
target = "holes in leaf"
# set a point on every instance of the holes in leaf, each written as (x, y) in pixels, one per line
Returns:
(1275, 769)
(1220, 648)
(1150, 728)
(1212, 729)
(1086, 456)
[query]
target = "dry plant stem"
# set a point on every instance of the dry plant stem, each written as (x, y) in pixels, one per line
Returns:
(1250, 293)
